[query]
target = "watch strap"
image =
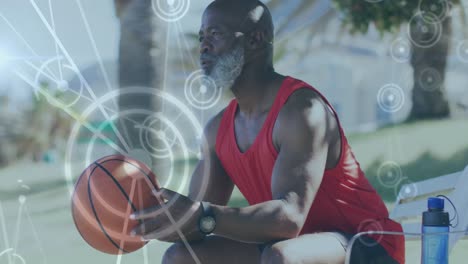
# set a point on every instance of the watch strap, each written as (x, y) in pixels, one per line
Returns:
(207, 209)
(207, 212)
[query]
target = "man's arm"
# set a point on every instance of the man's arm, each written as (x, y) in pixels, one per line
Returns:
(302, 132)
(209, 176)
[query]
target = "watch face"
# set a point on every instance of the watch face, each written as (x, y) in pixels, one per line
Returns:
(207, 224)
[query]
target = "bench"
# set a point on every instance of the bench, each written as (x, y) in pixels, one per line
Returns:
(409, 207)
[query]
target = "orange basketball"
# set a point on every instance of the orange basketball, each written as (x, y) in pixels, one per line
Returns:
(105, 194)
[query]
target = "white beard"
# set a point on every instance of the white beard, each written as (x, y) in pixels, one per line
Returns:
(228, 68)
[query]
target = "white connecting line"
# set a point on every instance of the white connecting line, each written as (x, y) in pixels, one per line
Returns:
(88, 126)
(59, 46)
(71, 61)
(11, 252)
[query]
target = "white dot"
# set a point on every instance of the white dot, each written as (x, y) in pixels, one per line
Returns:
(407, 190)
(402, 50)
(129, 169)
(170, 2)
(22, 199)
(424, 29)
(203, 89)
(62, 85)
(20, 181)
(161, 134)
(429, 79)
(391, 98)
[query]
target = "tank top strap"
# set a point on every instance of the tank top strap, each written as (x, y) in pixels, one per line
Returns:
(225, 124)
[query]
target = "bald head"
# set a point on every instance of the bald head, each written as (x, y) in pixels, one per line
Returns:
(245, 16)
(235, 35)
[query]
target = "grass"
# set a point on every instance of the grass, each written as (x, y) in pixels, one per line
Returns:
(420, 150)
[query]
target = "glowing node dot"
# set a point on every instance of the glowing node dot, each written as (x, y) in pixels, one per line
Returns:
(129, 169)
(22, 199)
(402, 49)
(62, 85)
(391, 98)
(170, 3)
(160, 134)
(203, 89)
(407, 190)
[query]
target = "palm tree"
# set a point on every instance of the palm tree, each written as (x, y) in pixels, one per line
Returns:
(136, 65)
(429, 63)
(430, 32)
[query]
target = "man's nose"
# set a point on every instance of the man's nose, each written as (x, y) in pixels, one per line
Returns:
(205, 47)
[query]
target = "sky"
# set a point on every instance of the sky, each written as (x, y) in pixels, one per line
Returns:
(39, 45)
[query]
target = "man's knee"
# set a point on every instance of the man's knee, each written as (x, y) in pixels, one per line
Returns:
(175, 254)
(277, 253)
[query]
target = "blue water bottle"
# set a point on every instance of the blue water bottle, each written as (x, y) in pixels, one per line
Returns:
(435, 246)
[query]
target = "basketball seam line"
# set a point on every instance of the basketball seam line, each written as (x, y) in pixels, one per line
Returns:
(95, 213)
(94, 210)
(122, 191)
(73, 205)
(137, 167)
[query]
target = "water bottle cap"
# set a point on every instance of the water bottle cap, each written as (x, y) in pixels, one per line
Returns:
(435, 203)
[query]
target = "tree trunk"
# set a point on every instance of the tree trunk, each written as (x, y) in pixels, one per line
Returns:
(429, 65)
(136, 69)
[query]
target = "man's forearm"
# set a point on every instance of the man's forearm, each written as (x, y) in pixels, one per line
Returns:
(264, 222)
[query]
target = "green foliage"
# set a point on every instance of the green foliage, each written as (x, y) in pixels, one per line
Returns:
(386, 15)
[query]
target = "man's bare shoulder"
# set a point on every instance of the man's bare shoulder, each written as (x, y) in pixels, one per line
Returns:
(304, 112)
(303, 105)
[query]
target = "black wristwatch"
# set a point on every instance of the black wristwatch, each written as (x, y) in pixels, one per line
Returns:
(207, 221)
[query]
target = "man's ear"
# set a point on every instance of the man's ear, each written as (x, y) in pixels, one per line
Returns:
(256, 40)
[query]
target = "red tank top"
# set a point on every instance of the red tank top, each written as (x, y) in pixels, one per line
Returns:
(345, 201)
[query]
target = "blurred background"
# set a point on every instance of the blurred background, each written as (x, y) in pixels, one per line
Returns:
(80, 79)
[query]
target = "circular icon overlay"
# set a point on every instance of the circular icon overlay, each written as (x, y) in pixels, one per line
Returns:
(201, 91)
(49, 79)
(430, 80)
(400, 50)
(170, 10)
(424, 30)
(389, 174)
(406, 189)
(370, 225)
(391, 98)
(164, 138)
(438, 8)
(157, 141)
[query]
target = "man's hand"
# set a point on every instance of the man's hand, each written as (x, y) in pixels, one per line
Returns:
(169, 221)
